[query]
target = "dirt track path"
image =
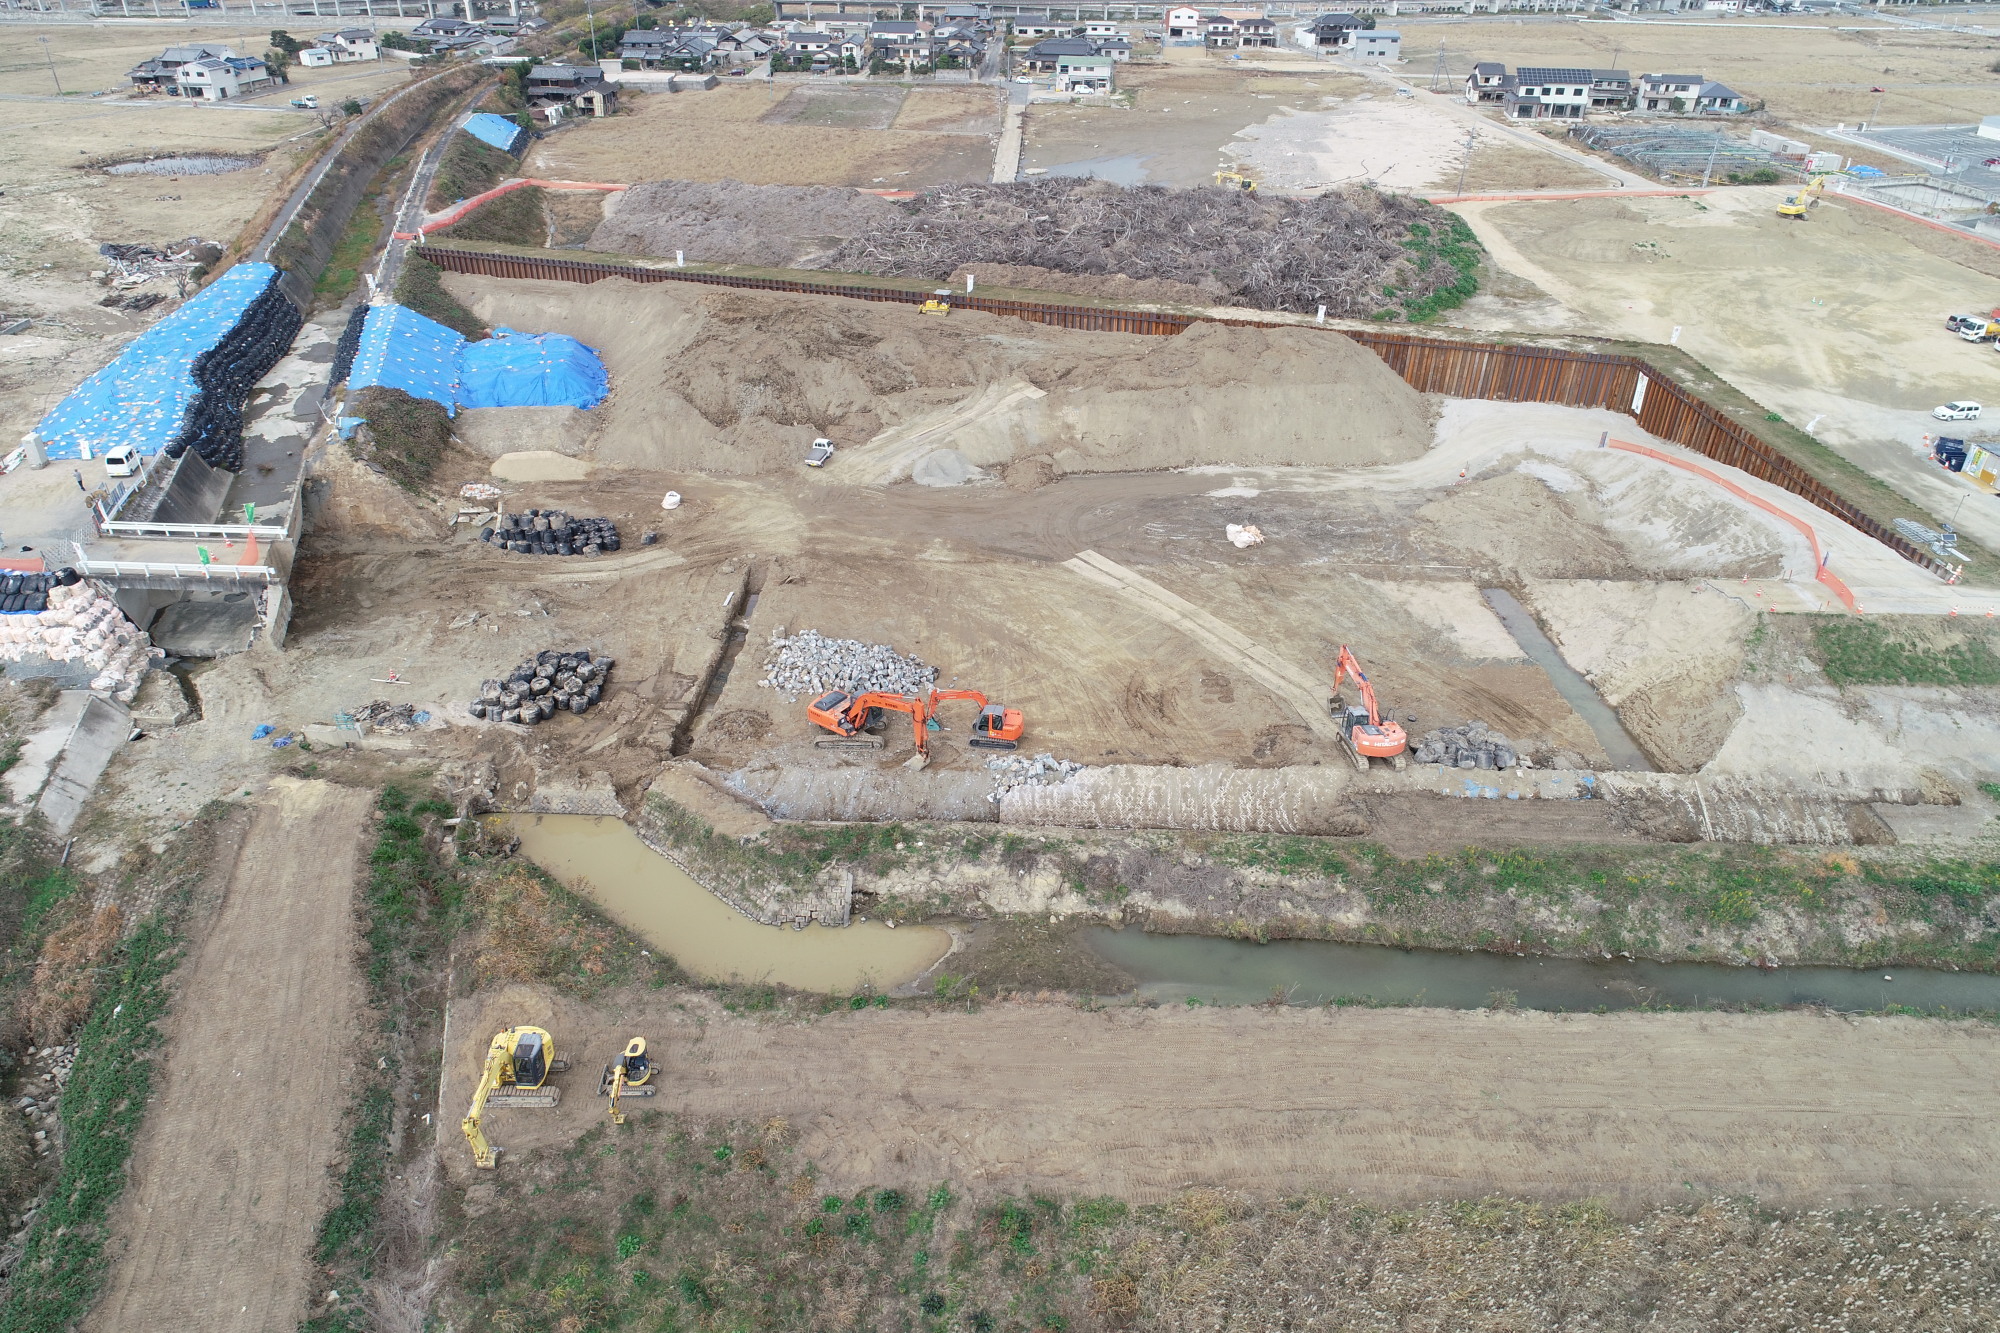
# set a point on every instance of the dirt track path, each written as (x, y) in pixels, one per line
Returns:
(232, 1171)
(1409, 1104)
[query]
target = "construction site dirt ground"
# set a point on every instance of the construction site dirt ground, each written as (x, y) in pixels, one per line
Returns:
(765, 133)
(1026, 1098)
(224, 1215)
(1842, 332)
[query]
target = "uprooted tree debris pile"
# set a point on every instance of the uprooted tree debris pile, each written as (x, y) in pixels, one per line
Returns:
(1358, 252)
(546, 682)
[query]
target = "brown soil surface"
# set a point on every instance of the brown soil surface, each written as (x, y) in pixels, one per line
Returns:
(771, 226)
(1114, 285)
(759, 134)
(739, 383)
(233, 1169)
(1023, 1098)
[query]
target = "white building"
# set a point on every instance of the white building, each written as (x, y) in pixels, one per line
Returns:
(1379, 45)
(220, 80)
(1184, 23)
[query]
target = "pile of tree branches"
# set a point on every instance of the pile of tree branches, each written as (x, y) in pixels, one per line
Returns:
(1359, 252)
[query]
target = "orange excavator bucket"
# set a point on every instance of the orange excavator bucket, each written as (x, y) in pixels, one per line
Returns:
(995, 728)
(1364, 734)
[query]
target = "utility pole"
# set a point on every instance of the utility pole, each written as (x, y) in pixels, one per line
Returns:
(1471, 138)
(591, 10)
(50, 55)
(1441, 71)
(1712, 148)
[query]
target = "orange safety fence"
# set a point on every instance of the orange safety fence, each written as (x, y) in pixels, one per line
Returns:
(1820, 571)
(457, 212)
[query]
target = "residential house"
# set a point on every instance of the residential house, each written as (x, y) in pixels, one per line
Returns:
(1117, 48)
(802, 43)
(1669, 92)
(1256, 30)
(1044, 57)
(1330, 31)
(219, 80)
(1084, 74)
(648, 46)
(1219, 29)
(1103, 28)
(1532, 93)
(434, 28)
(899, 42)
(1039, 25)
(351, 44)
(1184, 23)
(316, 57)
(1487, 82)
(1610, 90)
(979, 16)
(1378, 45)
(557, 91)
(157, 74)
(1712, 99)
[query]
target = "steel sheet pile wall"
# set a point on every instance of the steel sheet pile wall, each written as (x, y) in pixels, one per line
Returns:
(1496, 371)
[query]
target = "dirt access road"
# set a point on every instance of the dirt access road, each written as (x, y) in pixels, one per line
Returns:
(233, 1169)
(1399, 1104)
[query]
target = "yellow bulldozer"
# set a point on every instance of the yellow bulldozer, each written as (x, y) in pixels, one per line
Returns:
(1236, 180)
(519, 1062)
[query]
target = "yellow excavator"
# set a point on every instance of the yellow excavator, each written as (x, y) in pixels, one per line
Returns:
(518, 1064)
(1236, 180)
(629, 1075)
(1796, 205)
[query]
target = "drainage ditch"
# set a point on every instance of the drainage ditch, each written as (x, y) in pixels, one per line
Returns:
(1578, 693)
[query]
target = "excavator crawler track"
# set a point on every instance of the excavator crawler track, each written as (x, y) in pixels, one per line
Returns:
(979, 744)
(851, 744)
(631, 1089)
(544, 1096)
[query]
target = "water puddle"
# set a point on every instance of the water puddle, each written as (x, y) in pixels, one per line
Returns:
(1176, 967)
(1129, 169)
(603, 859)
(1577, 692)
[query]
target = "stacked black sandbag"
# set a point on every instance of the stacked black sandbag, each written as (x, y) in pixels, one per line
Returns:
(225, 374)
(30, 592)
(349, 344)
(546, 684)
(551, 532)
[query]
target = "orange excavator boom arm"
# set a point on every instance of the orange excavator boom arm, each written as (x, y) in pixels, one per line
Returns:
(1347, 665)
(857, 714)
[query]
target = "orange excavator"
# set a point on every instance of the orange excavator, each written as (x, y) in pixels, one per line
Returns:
(850, 716)
(996, 727)
(1364, 734)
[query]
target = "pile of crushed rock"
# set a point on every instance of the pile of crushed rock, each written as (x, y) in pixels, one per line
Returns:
(1015, 770)
(1474, 745)
(810, 663)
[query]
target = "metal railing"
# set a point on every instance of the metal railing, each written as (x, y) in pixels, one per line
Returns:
(135, 569)
(191, 531)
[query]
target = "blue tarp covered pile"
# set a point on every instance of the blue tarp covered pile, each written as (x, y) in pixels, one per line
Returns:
(499, 131)
(181, 384)
(401, 349)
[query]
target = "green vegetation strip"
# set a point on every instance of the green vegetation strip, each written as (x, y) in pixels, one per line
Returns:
(64, 1263)
(1877, 652)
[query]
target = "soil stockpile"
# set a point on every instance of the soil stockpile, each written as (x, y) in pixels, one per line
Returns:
(1358, 252)
(735, 382)
(774, 226)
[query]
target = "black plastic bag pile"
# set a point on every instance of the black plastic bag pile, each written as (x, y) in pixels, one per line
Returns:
(30, 592)
(349, 344)
(551, 532)
(542, 686)
(225, 374)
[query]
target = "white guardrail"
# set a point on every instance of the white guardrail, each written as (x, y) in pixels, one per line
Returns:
(111, 569)
(193, 531)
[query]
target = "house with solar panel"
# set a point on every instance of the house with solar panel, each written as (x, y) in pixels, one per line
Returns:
(1548, 93)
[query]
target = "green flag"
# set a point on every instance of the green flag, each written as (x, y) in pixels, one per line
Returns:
(202, 551)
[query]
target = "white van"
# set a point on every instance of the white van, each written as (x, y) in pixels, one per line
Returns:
(121, 461)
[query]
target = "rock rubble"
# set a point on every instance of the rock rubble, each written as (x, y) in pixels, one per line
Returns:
(1018, 770)
(1473, 745)
(810, 663)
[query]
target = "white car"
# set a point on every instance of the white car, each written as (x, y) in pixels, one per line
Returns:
(1957, 412)
(121, 461)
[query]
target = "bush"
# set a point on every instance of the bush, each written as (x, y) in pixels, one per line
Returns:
(409, 435)
(421, 288)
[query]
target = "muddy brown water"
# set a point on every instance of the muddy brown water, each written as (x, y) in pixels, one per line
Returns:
(603, 859)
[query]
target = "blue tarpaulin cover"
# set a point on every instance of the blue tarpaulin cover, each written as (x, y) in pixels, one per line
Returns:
(530, 370)
(401, 349)
(499, 131)
(141, 398)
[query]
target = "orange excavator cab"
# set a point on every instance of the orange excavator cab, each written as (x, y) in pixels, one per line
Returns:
(1364, 733)
(847, 716)
(995, 728)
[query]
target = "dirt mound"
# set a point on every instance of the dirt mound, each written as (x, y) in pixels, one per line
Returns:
(726, 381)
(776, 226)
(1116, 286)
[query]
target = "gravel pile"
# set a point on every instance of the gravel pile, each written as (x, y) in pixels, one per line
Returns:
(551, 532)
(547, 682)
(38, 1097)
(1015, 770)
(810, 663)
(1473, 745)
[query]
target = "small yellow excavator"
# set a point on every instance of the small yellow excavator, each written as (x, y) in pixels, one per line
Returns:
(1236, 180)
(518, 1064)
(1796, 206)
(629, 1075)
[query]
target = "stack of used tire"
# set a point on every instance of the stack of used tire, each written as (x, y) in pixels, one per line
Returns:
(30, 592)
(349, 344)
(225, 374)
(551, 532)
(546, 684)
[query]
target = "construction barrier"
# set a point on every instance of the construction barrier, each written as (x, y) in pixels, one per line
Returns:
(1504, 372)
